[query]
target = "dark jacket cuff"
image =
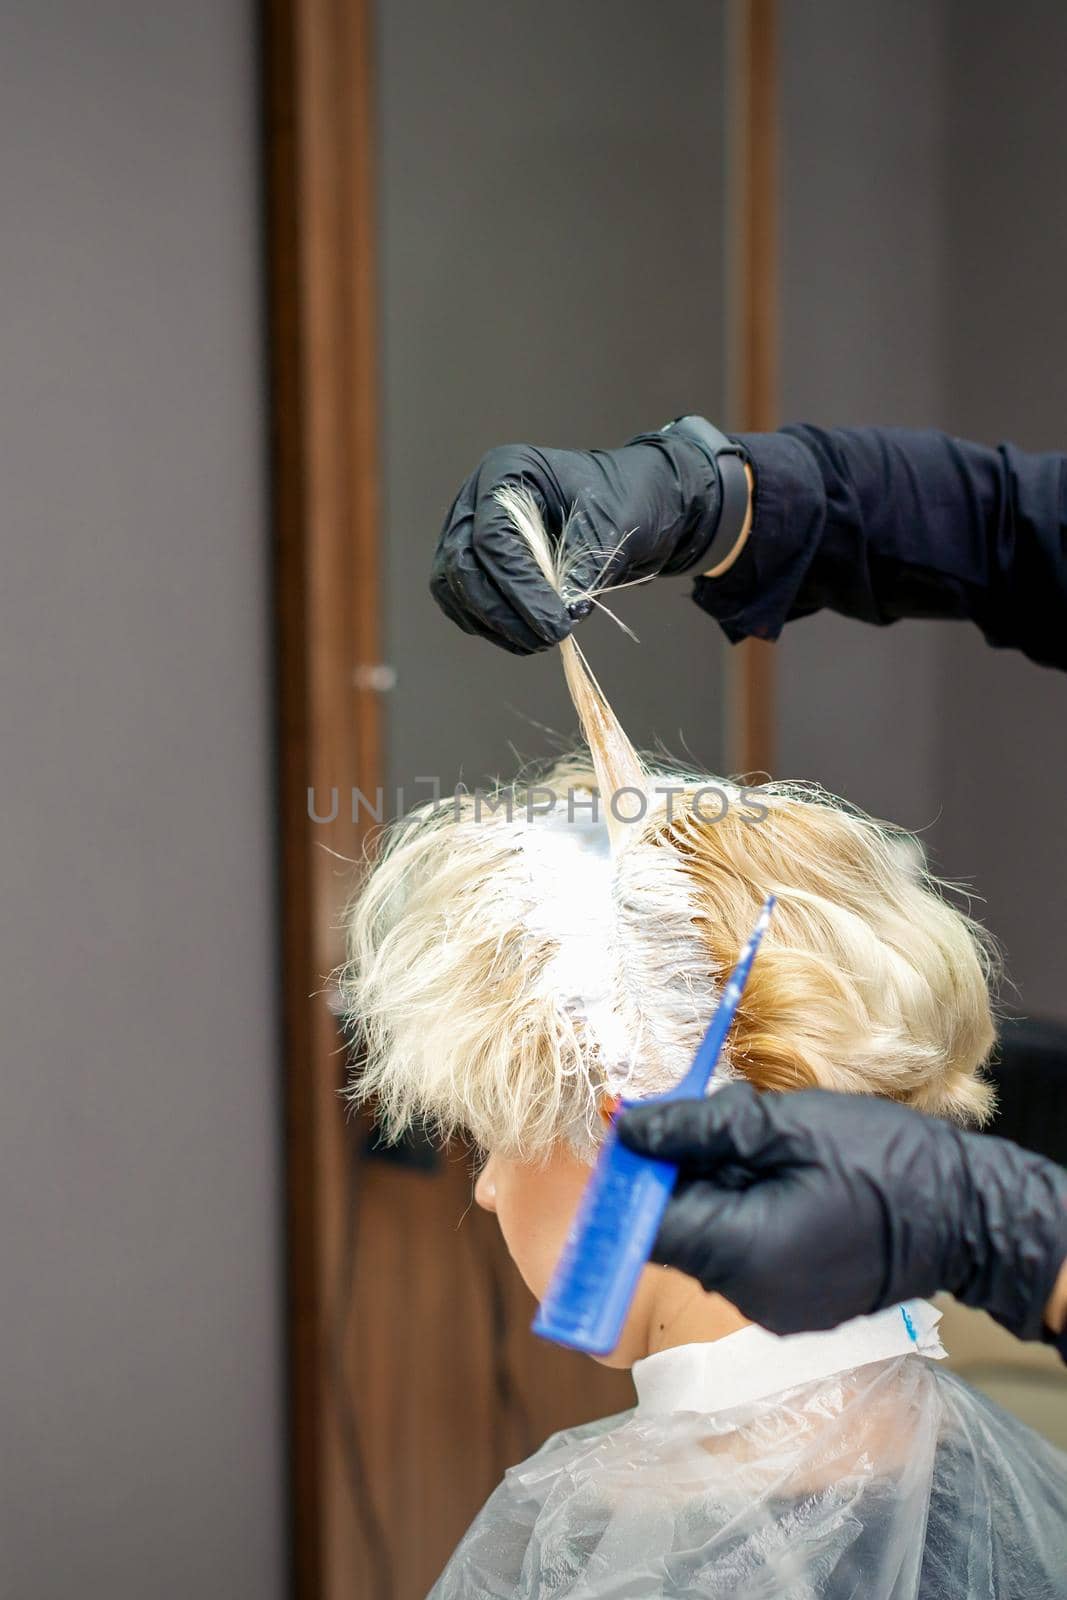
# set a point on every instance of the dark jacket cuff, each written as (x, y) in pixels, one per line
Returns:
(756, 595)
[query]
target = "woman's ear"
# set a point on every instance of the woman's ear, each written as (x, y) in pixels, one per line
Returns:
(485, 1187)
(608, 1108)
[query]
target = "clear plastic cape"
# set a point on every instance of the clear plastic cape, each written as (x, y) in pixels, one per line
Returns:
(891, 1481)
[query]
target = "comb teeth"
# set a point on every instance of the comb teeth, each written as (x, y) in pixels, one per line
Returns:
(607, 1248)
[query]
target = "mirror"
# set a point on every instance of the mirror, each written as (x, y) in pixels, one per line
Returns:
(494, 224)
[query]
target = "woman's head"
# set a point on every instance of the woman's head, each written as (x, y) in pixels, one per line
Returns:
(512, 973)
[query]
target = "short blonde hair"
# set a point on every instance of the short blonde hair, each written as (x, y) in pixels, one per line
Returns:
(513, 963)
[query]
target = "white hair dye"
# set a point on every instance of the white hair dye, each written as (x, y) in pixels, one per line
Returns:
(628, 961)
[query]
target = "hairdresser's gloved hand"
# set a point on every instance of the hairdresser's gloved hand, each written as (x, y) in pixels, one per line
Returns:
(651, 507)
(807, 1209)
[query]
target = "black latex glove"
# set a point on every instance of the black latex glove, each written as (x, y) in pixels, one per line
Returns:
(806, 1209)
(661, 490)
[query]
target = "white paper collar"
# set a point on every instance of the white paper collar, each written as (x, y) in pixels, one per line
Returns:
(752, 1364)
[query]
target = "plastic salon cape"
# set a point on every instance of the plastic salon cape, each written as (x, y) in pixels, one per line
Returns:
(833, 1466)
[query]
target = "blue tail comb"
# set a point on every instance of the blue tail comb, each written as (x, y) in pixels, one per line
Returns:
(618, 1218)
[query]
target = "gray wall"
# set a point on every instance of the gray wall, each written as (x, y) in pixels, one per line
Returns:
(140, 1365)
(552, 207)
(924, 254)
(862, 259)
(1003, 756)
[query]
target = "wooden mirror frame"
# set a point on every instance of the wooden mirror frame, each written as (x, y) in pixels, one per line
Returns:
(324, 462)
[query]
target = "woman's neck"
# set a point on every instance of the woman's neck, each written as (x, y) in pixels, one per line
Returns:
(680, 1312)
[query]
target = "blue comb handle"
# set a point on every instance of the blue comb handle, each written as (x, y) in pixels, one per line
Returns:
(620, 1212)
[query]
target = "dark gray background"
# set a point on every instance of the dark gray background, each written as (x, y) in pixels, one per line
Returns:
(140, 1199)
(924, 255)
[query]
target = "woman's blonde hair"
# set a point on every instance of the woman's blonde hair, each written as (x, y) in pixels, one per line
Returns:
(515, 959)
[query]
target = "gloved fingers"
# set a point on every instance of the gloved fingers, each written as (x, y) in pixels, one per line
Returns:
(731, 1126)
(599, 553)
(484, 622)
(442, 593)
(504, 559)
(709, 1233)
(751, 1246)
(503, 599)
(464, 590)
(587, 565)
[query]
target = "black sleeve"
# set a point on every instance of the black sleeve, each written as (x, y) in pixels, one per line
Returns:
(883, 523)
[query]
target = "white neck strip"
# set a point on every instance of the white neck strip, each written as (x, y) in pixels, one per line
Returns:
(753, 1364)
